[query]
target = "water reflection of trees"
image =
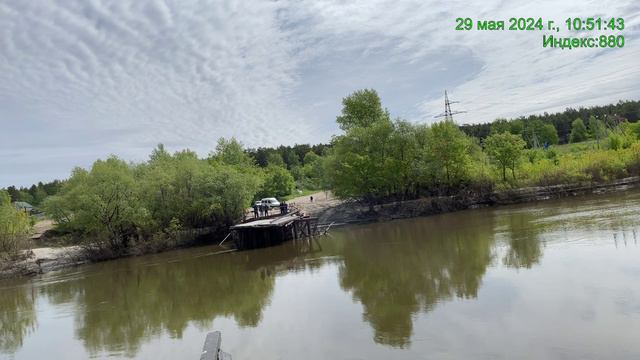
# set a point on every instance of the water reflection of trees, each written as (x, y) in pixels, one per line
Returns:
(395, 269)
(122, 304)
(17, 316)
(401, 268)
(121, 308)
(523, 237)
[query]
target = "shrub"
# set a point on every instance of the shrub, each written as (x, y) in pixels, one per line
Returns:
(14, 226)
(604, 166)
(614, 141)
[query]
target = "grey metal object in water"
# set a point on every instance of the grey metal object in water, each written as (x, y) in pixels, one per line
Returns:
(211, 349)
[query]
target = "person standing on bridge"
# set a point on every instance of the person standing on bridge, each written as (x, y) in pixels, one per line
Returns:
(255, 211)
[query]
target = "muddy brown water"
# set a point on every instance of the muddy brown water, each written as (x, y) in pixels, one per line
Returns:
(551, 280)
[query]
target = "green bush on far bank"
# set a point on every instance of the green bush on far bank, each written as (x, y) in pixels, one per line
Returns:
(14, 227)
(589, 165)
(116, 206)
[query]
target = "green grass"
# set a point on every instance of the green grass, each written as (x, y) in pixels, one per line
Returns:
(579, 147)
(581, 163)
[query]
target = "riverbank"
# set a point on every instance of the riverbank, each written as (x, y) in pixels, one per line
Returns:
(331, 210)
(44, 259)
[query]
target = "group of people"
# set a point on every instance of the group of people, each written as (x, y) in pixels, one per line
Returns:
(284, 208)
(260, 210)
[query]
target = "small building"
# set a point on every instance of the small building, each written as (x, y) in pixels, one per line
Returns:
(24, 206)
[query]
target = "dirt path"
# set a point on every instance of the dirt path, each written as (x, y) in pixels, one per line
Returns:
(40, 227)
(329, 209)
(42, 257)
(322, 201)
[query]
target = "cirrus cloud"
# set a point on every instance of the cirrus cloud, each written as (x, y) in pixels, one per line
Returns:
(81, 79)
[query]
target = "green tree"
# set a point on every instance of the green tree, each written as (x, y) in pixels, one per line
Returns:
(102, 204)
(404, 167)
(361, 109)
(278, 182)
(517, 126)
(448, 152)
(171, 187)
(312, 171)
(506, 150)
(597, 129)
(549, 135)
(578, 131)
(14, 226)
(290, 158)
(116, 203)
(361, 155)
(196, 192)
(13, 193)
(39, 194)
(229, 190)
(275, 159)
(231, 152)
(536, 134)
(499, 126)
(24, 195)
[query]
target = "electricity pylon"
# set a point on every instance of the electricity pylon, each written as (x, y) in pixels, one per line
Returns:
(448, 114)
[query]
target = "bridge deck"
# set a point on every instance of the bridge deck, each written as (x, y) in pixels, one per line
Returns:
(273, 230)
(269, 222)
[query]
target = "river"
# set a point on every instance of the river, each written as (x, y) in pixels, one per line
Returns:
(558, 279)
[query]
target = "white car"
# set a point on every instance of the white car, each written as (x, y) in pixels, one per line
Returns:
(270, 202)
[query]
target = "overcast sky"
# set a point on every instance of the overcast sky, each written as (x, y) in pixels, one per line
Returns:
(82, 79)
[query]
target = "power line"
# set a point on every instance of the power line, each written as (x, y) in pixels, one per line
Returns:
(448, 114)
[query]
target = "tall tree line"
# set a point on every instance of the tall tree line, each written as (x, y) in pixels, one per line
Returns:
(611, 115)
(377, 158)
(291, 156)
(36, 193)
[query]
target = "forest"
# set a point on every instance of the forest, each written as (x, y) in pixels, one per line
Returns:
(562, 121)
(121, 208)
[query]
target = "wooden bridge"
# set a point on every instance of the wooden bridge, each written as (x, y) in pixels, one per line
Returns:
(273, 230)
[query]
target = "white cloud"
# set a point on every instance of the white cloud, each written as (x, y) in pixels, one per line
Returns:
(157, 66)
(80, 79)
(518, 76)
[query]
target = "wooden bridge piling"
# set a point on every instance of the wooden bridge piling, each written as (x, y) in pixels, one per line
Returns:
(273, 230)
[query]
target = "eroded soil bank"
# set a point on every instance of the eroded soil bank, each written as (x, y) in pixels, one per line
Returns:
(330, 210)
